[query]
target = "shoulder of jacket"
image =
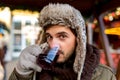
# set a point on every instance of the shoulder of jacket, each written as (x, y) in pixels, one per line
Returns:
(101, 71)
(104, 67)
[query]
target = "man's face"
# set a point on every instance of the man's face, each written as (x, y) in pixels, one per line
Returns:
(62, 36)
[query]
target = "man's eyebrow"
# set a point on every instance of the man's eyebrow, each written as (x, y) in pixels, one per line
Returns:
(57, 33)
(47, 34)
(62, 33)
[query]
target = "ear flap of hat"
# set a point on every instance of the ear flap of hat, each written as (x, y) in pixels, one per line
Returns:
(81, 44)
(80, 53)
(42, 37)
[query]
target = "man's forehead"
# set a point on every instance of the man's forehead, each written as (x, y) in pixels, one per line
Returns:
(58, 30)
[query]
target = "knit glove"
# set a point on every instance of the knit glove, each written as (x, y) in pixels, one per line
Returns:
(27, 60)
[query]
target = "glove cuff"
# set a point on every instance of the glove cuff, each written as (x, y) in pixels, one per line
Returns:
(27, 77)
(22, 71)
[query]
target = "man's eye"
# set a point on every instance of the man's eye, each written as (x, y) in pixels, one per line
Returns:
(62, 36)
(48, 37)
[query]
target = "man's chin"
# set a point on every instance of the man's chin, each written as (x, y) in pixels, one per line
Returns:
(60, 61)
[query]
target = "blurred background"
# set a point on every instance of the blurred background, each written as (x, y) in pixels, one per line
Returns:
(19, 28)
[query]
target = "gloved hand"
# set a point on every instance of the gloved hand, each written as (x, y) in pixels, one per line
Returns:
(42, 63)
(27, 60)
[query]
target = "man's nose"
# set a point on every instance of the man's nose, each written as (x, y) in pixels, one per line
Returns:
(54, 43)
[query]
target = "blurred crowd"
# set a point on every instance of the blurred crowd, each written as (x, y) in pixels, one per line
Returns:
(3, 49)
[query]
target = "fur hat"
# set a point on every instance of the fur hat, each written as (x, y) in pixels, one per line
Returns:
(64, 14)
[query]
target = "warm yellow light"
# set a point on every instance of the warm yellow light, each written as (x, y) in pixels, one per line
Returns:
(106, 18)
(117, 12)
(25, 12)
(1, 35)
(5, 16)
(110, 18)
(118, 8)
(113, 31)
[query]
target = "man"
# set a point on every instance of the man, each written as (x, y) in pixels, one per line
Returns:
(64, 26)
